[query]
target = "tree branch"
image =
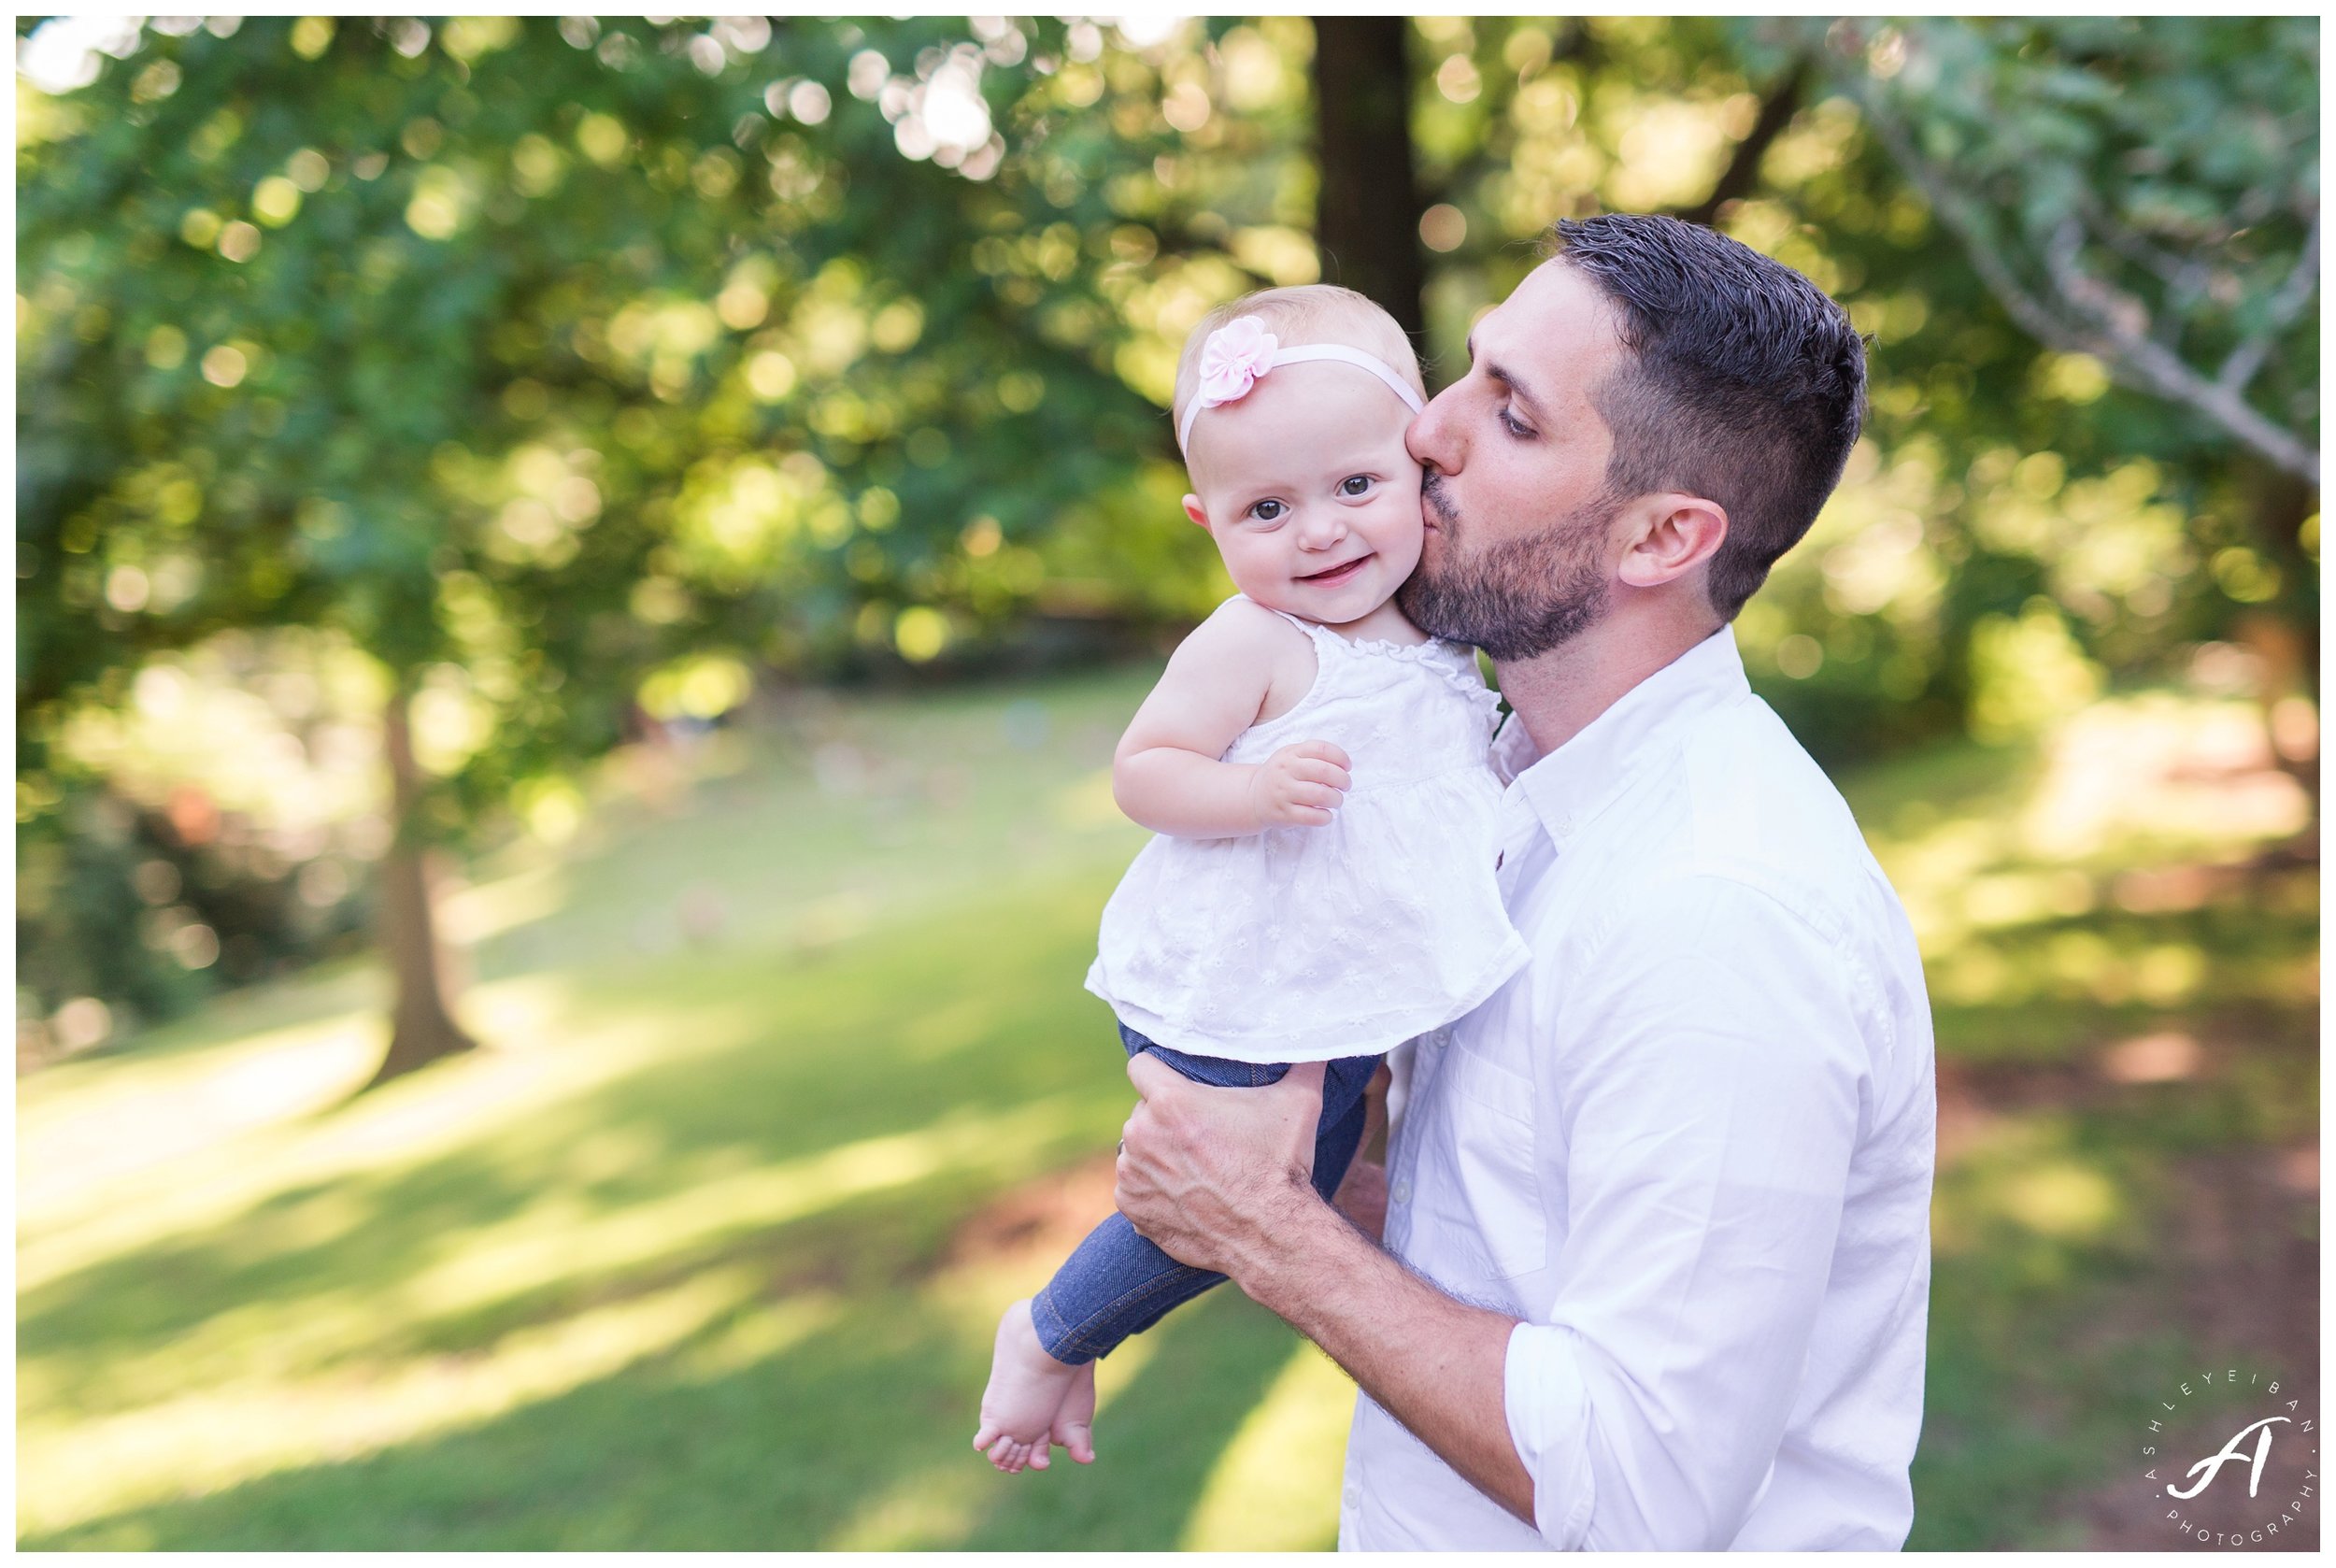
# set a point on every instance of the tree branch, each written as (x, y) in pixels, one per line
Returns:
(2248, 358)
(1578, 47)
(2122, 314)
(1744, 167)
(2133, 359)
(2180, 276)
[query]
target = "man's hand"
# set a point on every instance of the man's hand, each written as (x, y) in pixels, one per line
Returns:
(1207, 1174)
(1222, 1179)
(1300, 786)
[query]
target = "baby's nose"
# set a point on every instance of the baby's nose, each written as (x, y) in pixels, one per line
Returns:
(1322, 530)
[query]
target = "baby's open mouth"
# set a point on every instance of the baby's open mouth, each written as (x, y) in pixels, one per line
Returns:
(1337, 574)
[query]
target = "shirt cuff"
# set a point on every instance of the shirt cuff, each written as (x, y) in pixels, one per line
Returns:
(1548, 1417)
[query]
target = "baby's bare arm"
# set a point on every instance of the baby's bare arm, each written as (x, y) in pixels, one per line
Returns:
(1167, 774)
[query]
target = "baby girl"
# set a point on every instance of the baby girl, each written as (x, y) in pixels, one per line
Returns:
(1321, 887)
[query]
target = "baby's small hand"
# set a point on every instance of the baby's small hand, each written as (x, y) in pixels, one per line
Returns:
(1300, 786)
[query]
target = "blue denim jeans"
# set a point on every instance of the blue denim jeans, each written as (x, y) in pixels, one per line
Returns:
(1116, 1283)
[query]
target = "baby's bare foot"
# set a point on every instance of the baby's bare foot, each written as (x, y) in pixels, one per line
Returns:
(1074, 1420)
(1029, 1402)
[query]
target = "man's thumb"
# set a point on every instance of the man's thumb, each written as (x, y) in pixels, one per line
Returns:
(1150, 1075)
(1307, 1075)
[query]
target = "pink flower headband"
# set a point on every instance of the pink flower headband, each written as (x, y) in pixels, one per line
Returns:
(1241, 350)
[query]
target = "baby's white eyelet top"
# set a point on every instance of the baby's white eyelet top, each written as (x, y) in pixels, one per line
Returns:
(1312, 943)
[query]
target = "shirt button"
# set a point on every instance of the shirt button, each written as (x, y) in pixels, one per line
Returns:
(1403, 1191)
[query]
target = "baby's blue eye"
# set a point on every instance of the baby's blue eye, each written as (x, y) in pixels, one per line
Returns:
(1355, 484)
(1267, 511)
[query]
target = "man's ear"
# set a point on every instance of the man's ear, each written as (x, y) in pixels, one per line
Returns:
(1676, 534)
(1192, 510)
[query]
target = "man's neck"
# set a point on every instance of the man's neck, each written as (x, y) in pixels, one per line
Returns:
(1558, 695)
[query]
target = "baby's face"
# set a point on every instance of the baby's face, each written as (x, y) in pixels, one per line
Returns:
(1308, 492)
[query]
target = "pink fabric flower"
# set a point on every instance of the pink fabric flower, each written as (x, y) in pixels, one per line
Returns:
(1234, 356)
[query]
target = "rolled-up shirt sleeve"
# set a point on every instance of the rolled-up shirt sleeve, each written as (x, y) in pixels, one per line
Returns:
(1707, 1125)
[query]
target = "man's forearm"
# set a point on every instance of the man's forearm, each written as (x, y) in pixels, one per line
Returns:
(1433, 1364)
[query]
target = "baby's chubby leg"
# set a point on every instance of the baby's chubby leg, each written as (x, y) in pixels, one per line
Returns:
(1033, 1401)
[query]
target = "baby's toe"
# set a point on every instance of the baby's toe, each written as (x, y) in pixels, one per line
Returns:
(1078, 1441)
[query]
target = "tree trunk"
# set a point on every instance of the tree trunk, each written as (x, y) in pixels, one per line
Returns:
(2285, 633)
(1367, 214)
(1743, 172)
(2280, 501)
(422, 1029)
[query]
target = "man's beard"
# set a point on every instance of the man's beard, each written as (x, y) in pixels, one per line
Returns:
(1519, 597)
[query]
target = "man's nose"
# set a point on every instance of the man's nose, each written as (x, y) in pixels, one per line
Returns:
(1431, 437)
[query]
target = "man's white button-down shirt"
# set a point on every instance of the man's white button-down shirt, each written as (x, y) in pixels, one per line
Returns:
(1691, 1146)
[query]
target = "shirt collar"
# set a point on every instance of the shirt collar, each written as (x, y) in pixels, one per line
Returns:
(1565, 787)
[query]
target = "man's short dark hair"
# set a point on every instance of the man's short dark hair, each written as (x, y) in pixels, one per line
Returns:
(1745, 383)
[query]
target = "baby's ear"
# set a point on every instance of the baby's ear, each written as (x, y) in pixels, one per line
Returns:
(1192, 510)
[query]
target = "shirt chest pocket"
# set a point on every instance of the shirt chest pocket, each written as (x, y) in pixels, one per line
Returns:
(1498, 1188)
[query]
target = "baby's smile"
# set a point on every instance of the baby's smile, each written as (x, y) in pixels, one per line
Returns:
(1331, 576)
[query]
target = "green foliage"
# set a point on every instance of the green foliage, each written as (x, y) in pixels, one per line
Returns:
(2003, 475)
(2147, 191)
(551, 357)
(145, 910)
(2063, 480)
(560, 365)
(568, 366)
(77, 877)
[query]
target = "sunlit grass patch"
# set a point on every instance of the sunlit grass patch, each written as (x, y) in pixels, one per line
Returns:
(2099, 882)
(620, 1155)
(267, 1287)
(2028, 1191)
(2124, 978)
(266, 1338)
(790, 1085)
(1275, 1487)
(241, 1428)
(294, 1329)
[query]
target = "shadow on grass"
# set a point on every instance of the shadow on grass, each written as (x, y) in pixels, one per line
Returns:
(2125, 987)
(787, 1453)
(2126, 1194)
(806, 1152)
(788, 1137)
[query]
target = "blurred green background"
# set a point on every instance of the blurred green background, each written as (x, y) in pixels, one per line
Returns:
(577, 579)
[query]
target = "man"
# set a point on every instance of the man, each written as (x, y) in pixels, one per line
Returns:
(1657, 1226)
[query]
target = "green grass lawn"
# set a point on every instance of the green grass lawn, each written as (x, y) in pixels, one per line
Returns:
(791, 1086)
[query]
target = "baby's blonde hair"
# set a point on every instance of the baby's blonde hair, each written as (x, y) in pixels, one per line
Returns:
(1308, 313)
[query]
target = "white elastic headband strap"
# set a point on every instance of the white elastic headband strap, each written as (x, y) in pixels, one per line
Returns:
(1301, 354)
